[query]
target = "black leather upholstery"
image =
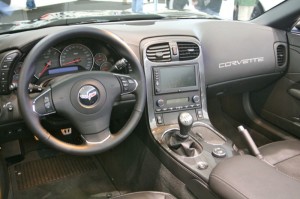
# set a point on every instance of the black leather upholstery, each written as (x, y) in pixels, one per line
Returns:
(284, 155)
(248, 177)
(146, 195)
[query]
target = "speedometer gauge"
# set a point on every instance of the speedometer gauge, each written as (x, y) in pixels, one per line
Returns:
(77, 55)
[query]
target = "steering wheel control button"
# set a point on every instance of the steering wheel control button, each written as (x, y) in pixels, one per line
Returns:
(43, 104)
(202, 165)
(219, 152)
(128, 84)
(88, 95)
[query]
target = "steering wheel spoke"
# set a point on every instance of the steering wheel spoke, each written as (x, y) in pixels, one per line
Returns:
(97, 138)
(127, 83)
(43, 103)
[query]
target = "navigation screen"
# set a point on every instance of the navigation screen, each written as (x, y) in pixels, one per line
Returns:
(177, 77)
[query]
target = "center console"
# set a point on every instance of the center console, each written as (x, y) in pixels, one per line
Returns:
(176, 104)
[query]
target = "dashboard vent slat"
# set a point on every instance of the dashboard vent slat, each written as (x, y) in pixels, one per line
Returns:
(188, 50)
(281, 55)
(159, 52)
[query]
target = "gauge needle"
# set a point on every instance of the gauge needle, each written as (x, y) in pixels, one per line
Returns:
(45, 68)
(71, 62)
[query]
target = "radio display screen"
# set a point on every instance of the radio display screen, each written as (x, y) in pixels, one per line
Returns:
(177, 101)
(177, 77)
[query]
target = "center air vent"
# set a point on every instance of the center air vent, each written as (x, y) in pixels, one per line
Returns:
(159, 52)
(281, 55)
(188, 50)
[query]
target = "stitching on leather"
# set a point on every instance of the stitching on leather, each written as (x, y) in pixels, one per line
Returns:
(291, 177)
(287, 159)
(228, 184)
(267, 162)
(264, 146)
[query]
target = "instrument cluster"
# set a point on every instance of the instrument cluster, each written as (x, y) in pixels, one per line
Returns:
(72, 56)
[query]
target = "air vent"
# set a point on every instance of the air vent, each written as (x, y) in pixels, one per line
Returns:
(188, 50)
(281, 55)
(159, 52)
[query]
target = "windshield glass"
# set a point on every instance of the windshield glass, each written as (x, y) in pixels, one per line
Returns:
(28, 14)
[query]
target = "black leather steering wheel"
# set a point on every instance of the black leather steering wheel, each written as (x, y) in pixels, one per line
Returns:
(85, 98)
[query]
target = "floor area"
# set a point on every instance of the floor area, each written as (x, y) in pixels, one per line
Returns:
(45, 173)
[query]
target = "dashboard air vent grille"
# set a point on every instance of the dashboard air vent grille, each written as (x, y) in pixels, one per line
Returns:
(281, 55)
(159, 52)
(188, 50)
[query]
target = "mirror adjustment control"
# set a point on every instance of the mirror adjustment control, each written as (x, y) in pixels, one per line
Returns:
(160, 103)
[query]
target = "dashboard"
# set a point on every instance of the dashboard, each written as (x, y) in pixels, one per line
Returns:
(220, 65)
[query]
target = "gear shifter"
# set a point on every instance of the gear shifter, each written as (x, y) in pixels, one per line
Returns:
(179, 141)
(185, 121)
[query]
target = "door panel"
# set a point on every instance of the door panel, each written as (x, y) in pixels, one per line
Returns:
(279, 103)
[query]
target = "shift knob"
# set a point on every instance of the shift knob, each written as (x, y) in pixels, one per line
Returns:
(185, 121)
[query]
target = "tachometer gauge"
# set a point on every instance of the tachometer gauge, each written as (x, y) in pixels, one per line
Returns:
(105, 66)
(77, 55)
(100, 58)
(49, 59)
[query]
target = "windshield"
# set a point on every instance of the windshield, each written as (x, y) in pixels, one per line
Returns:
(28, 14)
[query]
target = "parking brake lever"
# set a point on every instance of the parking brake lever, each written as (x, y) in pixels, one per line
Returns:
(250, 142)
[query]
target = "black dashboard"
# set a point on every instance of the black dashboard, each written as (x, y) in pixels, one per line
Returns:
(224, 56)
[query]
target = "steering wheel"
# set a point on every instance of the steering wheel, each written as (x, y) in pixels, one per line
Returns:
(85, 98)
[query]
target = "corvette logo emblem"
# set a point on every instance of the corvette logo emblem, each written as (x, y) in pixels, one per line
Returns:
(88, 95)
(241, 62)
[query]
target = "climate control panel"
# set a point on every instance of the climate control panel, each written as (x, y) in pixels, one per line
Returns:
(176, 102)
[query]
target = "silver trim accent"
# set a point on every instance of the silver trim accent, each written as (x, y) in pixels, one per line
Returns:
(199, 123)
(87, 142)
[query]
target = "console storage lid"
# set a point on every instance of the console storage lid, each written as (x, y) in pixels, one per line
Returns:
(248, 177)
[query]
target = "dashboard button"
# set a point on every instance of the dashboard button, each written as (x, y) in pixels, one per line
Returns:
(199, 113)
(219, 152)
(5, 65)
(10, 57)
(159, 119)
(202, 165)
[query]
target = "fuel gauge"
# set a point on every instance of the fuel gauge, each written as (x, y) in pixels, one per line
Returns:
(100, 58)
(106, 66)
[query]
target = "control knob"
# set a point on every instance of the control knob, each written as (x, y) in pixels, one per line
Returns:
(196, 99)
(160, 103)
